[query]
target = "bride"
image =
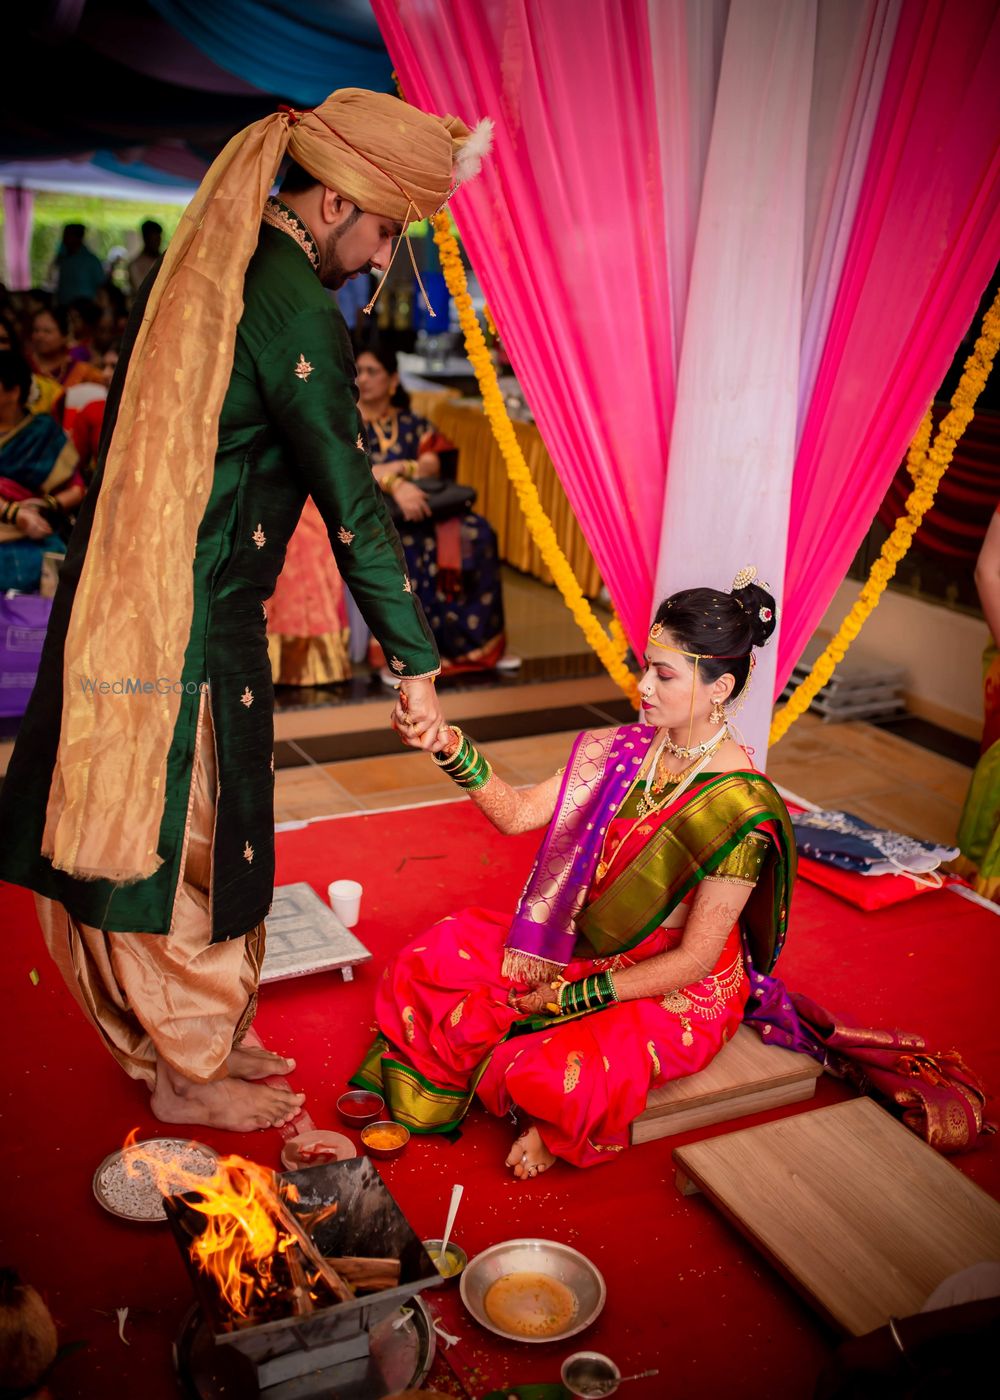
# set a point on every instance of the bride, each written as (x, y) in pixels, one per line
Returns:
(661, 883)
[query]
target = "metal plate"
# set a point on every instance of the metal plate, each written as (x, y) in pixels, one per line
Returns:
(558, 1261)
(112, 1166)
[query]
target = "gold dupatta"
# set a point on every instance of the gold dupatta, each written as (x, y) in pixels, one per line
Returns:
(134, 603)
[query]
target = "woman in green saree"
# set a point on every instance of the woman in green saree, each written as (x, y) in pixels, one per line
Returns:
(661, 884)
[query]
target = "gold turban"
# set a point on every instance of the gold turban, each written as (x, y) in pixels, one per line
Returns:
(134, 603)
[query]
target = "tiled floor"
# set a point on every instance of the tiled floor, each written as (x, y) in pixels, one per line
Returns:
(878, 776)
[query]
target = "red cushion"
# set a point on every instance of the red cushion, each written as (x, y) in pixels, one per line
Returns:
(863, 891)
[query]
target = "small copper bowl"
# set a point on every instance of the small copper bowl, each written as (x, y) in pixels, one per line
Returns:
(360, 1106)
(386, 1127)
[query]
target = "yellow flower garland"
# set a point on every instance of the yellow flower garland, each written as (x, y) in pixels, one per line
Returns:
(611, 649)
(926, 466)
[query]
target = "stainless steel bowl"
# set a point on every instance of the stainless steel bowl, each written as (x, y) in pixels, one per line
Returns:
(558, 1261)
(456, 1255)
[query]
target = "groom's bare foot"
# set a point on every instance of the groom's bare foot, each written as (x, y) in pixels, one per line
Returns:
(234, 1104)
(529, 1155)
(254, 1062)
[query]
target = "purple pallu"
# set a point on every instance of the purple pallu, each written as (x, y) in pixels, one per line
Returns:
(600, 772)
(934, 1091)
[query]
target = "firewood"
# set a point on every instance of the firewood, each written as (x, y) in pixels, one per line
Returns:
(341, 1290)
(370, 1274)
(301, 1298)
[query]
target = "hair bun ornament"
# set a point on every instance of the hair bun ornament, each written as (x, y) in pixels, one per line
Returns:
(744, 578)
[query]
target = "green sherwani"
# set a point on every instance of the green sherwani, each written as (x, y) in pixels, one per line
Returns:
(289, 429)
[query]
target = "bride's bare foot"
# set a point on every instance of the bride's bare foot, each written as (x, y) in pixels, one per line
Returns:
(254, 1062)
(235, 1104)
(529, 1155)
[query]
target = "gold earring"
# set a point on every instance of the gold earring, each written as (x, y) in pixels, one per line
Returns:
(718, 713)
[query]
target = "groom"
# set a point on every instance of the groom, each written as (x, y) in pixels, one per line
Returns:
(138, 804)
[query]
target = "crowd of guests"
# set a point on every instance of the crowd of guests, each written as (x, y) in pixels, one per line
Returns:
(58, 352)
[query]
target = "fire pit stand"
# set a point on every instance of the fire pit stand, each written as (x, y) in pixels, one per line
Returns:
(341, 1350)
(398, 1359)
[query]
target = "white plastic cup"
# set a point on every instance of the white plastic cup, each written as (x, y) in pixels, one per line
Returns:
(345, 901)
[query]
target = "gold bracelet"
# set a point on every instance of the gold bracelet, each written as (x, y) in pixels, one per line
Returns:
(389, 482)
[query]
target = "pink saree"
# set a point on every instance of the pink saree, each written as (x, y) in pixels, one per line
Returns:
(448, 1033)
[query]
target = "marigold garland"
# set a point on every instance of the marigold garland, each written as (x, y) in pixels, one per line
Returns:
(926, 465)
(611, 649)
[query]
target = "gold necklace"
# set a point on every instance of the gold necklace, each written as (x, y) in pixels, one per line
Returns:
(386, 440)
(684, 780)
(662, 778)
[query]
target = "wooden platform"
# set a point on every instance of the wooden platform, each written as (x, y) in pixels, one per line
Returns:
(745, 1077)
(859, 1214)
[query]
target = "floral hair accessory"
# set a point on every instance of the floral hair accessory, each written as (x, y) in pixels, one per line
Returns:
(744, 578)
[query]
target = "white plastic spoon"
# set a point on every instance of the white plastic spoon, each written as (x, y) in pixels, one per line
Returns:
(456, 1196)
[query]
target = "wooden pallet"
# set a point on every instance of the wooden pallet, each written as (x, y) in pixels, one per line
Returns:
(747, 1076)
(857, 1212)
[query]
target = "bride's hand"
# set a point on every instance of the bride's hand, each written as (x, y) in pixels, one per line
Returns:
(447, 741)
(538, 1000)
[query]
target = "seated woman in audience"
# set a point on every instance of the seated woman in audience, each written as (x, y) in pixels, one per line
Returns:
(56, 365)
(38, 479)
(660, 890)
(453, 564)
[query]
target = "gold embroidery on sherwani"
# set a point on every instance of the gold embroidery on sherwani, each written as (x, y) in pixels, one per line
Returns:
(303, 369)
(407, 586)
(574, 1065)
(279, 216)
(247, 697)
(397, 665)
(409, 1024)
(248, 853)
(360, 444)
(258, 536)
(344, 535)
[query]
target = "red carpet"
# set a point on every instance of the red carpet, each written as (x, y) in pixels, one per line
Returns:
(685, 1293)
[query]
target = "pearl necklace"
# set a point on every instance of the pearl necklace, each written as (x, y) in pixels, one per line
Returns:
(697, 750)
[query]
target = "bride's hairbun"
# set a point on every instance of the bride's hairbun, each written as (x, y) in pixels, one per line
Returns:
(757, 603)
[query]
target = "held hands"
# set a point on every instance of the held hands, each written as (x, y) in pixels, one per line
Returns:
(417, 716)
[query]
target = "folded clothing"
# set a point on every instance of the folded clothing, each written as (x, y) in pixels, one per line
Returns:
(848, 843)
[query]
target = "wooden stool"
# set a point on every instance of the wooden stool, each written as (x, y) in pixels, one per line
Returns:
(859, 1214)
(746, 1076)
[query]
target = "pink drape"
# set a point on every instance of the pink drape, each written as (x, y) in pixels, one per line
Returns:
(591, 222)
(565, 228)
(18, 212)
(923, 245)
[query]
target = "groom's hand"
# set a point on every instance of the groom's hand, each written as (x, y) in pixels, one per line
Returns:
(417, 716)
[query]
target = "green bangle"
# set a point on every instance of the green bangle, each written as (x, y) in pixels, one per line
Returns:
(591, 993)
(467, 767)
